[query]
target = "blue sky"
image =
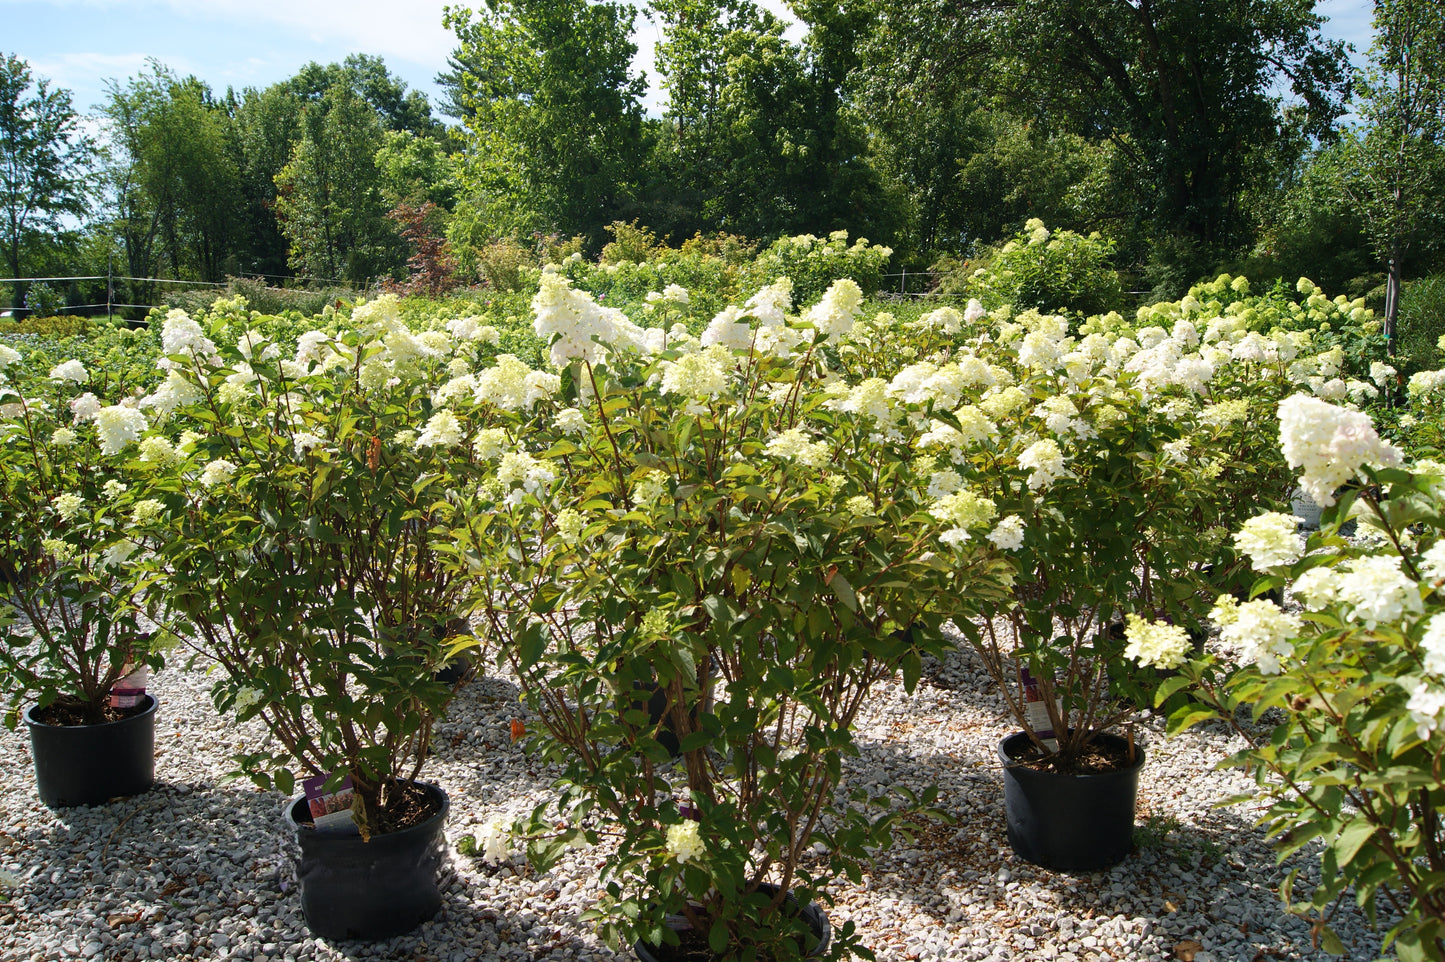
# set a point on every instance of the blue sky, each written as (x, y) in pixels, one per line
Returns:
(78, 44)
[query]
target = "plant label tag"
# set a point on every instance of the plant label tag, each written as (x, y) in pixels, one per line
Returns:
(130, 691)
(330, 811)
(1037, 712)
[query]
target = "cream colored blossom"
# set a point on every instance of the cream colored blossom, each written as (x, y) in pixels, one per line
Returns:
(1269, 540)
(157, 450)
(118, 425)
(144, 512)
(1008, 534)
(217, 471)
(1155, 643)
(1045, 461)
(67, 505)
(1260, 630)
(490, 443)
(71, 370)
(795, 445)
(964, 509)
(1329, 444)
(442, 431)
(684, 843)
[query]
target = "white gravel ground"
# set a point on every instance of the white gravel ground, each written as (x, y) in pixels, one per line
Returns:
(197, 868)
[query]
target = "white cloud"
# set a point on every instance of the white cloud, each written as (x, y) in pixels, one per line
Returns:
(410, 30)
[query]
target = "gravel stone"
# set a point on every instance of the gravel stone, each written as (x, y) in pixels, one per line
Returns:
(200, 868)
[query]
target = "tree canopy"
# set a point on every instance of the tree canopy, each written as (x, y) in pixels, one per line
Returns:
(44, 157)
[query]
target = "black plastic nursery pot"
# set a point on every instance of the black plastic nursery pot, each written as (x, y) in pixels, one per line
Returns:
(372, 890)
(810, 913)
(1069, 823)
(91, 764)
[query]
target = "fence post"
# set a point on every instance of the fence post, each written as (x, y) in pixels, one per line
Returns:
(110, 287)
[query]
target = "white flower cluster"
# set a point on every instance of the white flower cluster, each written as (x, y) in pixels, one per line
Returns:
(118, 425)
(684, 843)
(513, 386)
(794, 444)
(1155, 643)
(176, 390)
(1269, 539)
(1372, 589)
(696, 377)
(67, 505)
(1045, 461)
(526, 472)
(472, 329)
(494, 840)
(1329, 444)
(1260, 630)
(443, 430)
(182, 335)
(837, 311)
(728, 329)
(217, 472)
(582, 328)
(71, 370)
(1008, 534)
(963, 510)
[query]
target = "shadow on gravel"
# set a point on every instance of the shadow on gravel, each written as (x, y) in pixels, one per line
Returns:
(1212, 879)
(474, 753)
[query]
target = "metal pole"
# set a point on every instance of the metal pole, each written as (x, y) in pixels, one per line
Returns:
(109, 285)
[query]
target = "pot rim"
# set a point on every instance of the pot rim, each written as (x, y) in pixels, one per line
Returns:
(150, 709)
(1010, 763)
(300, 829)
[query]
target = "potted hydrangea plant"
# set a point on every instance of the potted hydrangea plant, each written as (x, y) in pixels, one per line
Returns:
(303, 564)
(1352, 676)
(74, 524)
(1095, 450)
(698, 571)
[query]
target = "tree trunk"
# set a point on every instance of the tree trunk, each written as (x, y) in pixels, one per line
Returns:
(1392, 301)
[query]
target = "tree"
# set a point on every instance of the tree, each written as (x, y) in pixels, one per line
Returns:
(759, 136)
(174, 180)
(554, 121)
(416, 171)
(1394, 170)
(329, 200)
(396, 107)
(44, 159)
(1184, 90)
(267, 126)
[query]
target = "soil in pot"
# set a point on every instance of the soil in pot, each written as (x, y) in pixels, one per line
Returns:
(73, 711)
(1080, 821)
(375, 889)
(1102, 756)
(80, 764)
(693, 944)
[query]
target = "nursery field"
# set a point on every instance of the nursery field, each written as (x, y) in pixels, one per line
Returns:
(711, 606)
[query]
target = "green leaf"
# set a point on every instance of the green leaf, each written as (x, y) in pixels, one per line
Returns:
(1351, 839)
(842, 589)
(1330, 942)
(717, 938)
(1187, 717)
(1168, 687)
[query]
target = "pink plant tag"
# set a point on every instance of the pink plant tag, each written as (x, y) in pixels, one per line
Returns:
(130, 691)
